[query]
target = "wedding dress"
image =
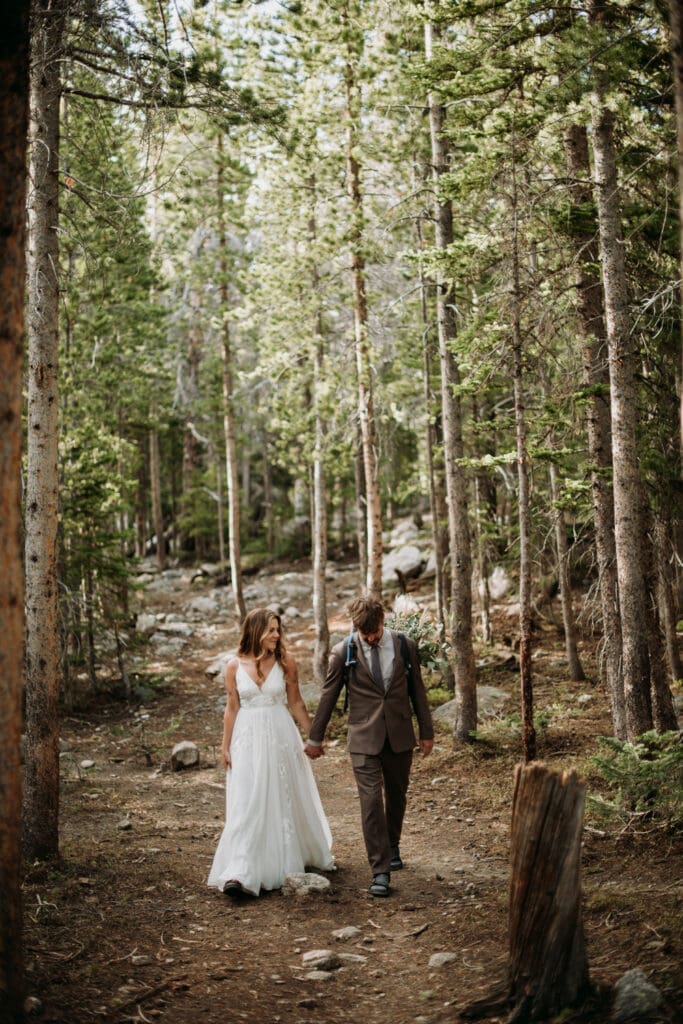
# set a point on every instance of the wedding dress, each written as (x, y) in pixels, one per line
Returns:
(275, 823)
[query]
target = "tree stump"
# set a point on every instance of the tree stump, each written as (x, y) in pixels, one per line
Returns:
(547, 968)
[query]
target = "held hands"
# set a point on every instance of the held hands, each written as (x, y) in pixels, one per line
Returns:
(426, 747)
(313, 751)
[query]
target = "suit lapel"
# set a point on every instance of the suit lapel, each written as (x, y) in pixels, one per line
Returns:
(398, 661)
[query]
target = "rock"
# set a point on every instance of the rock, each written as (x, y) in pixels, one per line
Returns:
(321, 960)
(124, 825)
(636, 999)
(490, 701)
(165, 647)
(146, 623)
(442, 959)
(292, 613)
(141, 960)
(87, 764)
(318, 976)
(405, 605)
(305, 883)
(584, 698)
(310, 693)
(404, 531)
(182, 628)
(499, 583)
(408, 560)
(218, 665)
(353, 958)
(202, 606)
(64, 746)
(344, 934)
(184, 755)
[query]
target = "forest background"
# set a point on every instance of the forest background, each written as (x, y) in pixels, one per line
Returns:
(295, 270)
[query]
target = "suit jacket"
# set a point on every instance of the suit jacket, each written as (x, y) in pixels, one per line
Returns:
(375, 714)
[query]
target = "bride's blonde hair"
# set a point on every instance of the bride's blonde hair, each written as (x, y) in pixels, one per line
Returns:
(254, 631)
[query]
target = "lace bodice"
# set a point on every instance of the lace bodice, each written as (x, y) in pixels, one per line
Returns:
(272, 691)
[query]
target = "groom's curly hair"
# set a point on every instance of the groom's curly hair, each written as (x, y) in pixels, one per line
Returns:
(367, 613)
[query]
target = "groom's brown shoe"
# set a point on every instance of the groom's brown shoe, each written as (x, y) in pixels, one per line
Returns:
(379, 885)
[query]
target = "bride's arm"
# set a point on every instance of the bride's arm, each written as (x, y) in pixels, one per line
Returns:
(294, 699)
(231, 709)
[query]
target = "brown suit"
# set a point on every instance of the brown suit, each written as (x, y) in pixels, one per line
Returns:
(381, 739)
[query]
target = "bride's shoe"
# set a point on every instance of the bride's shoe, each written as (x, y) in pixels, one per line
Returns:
(233, 888)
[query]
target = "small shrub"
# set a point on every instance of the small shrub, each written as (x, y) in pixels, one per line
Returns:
(427, 634)
(645, 779)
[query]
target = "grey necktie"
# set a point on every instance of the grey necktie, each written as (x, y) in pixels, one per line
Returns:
(375, 666)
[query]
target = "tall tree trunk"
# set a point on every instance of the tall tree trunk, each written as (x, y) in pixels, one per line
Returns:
(228, 403)
(568, 621)
(456, 484)
(268, 498)
(366, 411)
(41, 802)
(220, 525)
(319, 496)
(155, 487)
(665, 598)
(523, 504)
(629, 497)
(360, 508)
(598, 420)
(676, 23)
(430, 444)
(14, 118)
(190, 441)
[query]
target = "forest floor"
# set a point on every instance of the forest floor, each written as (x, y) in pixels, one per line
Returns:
(125, 929)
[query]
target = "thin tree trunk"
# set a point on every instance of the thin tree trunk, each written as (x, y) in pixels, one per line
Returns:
(41, 802)
(14, 117)
(430, 444)
(523, 505)
(676, 24)
(141, 505)
(366, 412)
(268, 498)
(568, 621)
(360, 506)
(155, 487)
(220, 524)
(598, 420)
(629, 497)
(456, 484)
(319, 495)
(228, 406)
(190, 464)
(665, 601)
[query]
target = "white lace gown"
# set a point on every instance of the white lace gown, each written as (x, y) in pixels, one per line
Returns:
(274, 821)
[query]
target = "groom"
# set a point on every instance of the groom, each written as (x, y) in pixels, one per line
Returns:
(382, 696)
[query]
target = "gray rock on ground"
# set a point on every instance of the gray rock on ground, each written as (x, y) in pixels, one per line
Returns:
(442, 959)
(345, 934)
(321, 960)
(184, 755)
(305, 883)
(637, 999)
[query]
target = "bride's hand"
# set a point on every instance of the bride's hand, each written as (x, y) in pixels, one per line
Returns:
(227, 760)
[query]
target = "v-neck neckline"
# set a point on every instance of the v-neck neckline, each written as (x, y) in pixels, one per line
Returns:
(266, 678)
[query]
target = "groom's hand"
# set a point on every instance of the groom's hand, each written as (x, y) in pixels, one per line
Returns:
(313, 751)
(426, 747)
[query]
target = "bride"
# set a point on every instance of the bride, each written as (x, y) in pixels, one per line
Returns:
(275, 824)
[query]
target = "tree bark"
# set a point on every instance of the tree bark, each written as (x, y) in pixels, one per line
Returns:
(190, 443)
(155, 487)
(14, 117)
(548, 969)
(319, 496)
(231, 466)
(268, 498)
(523, 504)
(456, 483)
(568, 621)
(629, 496)
(41, 802)
(665, 599)
(598, 420)
(676, 25)
(366, 411)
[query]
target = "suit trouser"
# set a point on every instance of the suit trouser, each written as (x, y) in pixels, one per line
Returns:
(382, 781)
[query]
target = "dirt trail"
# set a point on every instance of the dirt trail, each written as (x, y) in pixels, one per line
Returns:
(126, 928)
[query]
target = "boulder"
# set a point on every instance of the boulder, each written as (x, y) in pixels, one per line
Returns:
(490, 701)
(499, 583)
(218, 665)
(203, 606)
(181, 628)
(636, 999)
(321, 960)
(184, 755)
(407, 560)
(305, 883)
(146, 623)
